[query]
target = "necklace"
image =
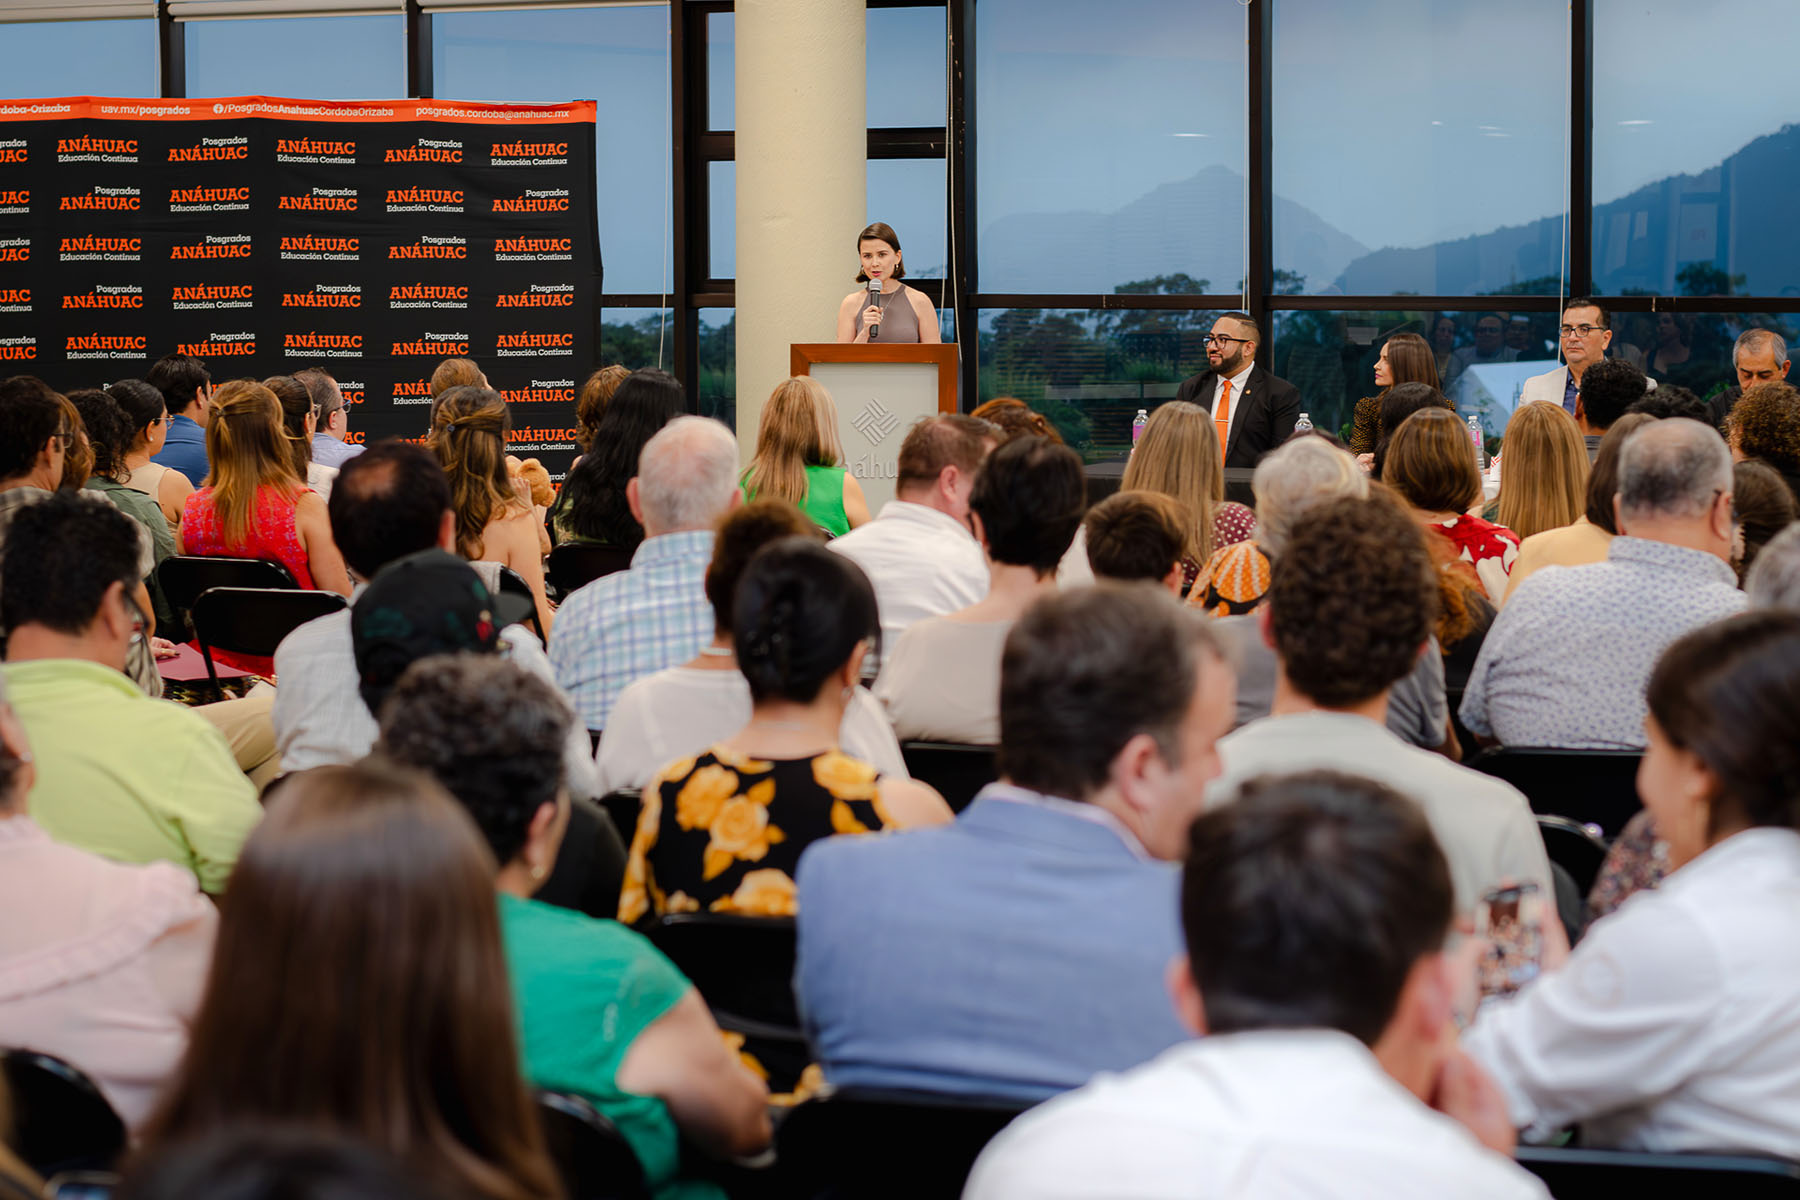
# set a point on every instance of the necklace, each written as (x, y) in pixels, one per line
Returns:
(717, 651)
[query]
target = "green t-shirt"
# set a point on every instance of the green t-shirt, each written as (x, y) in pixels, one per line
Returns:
(584, 989)
(824, 502)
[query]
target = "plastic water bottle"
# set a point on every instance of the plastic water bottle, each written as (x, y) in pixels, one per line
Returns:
(1137, 425)
(1481, 458)
(1304, 424)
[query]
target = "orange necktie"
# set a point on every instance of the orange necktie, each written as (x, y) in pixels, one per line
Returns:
(1222, 415)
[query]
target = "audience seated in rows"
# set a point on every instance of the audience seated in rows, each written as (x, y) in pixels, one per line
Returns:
(593, 506)
(101, 962)
(602, 1013)
(918, 552)
(1765, 426)
(118, 773)
(1544, 484)
(1763, 505)
(331, 444)
(1431, 465)
(1021, 949)
(680, 711)
(105, 425)
(1608, 389)
(1586, 539)
(148, 424)
(941, 681)
(494, 524)
(1316, 911)
(1566, 660)
(1675, 1023)
(187, 394)
(299, 420)
(1349, 616)
(1136, 537)
(800, 458)
(624, 626)
(372, 879)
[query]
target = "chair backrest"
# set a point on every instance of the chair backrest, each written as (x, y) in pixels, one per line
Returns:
(1574, 847)
(742, 966)
(622, 805)
(182, 577)
(1590, 787)
(574, 565)
(878, 1144)
(1573, 1174)
(253, 620)
(956, 771)
(61, 1122)
(592, 1156)
(510, 581)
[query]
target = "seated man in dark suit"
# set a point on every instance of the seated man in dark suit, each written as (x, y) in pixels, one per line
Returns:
(1253, 411)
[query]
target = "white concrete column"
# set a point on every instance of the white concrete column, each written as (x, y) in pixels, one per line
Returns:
(802, 183)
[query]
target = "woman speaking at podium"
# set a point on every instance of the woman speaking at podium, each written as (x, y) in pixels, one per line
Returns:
(885, 310)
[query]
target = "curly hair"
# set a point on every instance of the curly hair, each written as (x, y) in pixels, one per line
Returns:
(1352, 600)
(1765, 424)
(596, 393)
(1015, 418)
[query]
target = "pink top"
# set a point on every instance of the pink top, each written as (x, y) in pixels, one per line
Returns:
(101, 963)
(273, 534)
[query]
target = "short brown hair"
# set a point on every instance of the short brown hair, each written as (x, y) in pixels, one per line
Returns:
(1014, 418)
(1431, 462)
(947, 440)
(880, 231)
(1603, 480)
(1136, 535)
(1351, 600)
(591, 401)
(740, 534)
(456, 372)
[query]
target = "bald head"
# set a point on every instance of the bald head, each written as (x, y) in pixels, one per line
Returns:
(1675, 486)
(687, 476)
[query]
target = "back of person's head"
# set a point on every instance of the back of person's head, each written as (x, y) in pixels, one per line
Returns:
(108, 434)
(1431, 462)
(1729, 694)
(1087, 670)
(1336, 951)
(1299, 474)
(1029, 497)
(371, 877)
(1764, 505)
(687, 475)
(741, 533)
(1672, 469)
(1774, 578)
(327, 397)
(178, 377)
(1672, 400)
(1765, 424)
(798, 429)
(387, 502)
(78, 457)
(62, 558)
(491, 732)
(1609, 387)
(274, 1163)
(1351, 600)
(1398, 403)
(1136, 537)
(645, 401)
(422, 605)
(798, 615)
(142, 405)
(1014, 418)
(455, 373)
(1178, 455)
(1410, 360)
(1603, 479)
(296, 406)
(591, 401)
(1545, 481)
(936, 443)
(468, 436)
(30, 415)
(246, 448)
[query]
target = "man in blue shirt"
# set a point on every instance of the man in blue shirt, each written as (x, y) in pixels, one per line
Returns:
(1021, 949)
(187, 393)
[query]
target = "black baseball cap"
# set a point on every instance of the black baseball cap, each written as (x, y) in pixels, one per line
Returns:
(427, 603)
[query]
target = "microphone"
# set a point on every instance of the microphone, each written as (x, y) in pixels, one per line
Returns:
(875, 299)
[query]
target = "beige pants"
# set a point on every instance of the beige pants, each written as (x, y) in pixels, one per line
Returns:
(249, 726)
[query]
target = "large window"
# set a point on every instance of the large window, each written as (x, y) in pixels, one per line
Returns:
(310, 58)
(79, 58)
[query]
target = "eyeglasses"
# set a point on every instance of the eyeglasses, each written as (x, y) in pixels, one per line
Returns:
(64, 437)
(1219, 339)
(1581, 330)
(162, 420)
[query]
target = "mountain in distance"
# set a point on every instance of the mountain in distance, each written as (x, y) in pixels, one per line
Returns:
(1193, 225)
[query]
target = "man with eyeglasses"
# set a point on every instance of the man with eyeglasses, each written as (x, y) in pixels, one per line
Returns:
(1253, 411)
(1585, 334)
(331, 445)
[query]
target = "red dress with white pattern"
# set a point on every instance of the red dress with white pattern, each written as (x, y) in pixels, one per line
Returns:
(273, 534)
(1489, 549)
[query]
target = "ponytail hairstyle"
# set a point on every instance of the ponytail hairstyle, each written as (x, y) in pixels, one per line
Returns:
(296, 405)
(142, 405)
(108, 431)
(468, 435)
(798, 614)
(246, 448)
(798, 430)
(78, 460)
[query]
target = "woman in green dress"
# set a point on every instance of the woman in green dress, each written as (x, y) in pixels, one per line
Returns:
(800, 459)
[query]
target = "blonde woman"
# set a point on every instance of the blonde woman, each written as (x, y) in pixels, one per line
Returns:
(1178, 455)
(800, 459)
(493, 523)
(1544, 480)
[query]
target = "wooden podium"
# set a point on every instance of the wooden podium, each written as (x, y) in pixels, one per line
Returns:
(881, 391)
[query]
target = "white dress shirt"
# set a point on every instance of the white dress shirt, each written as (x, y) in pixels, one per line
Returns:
(1271, 1115)
(320, 720)
(678, 712)
(921, 562)
(1675, 1024)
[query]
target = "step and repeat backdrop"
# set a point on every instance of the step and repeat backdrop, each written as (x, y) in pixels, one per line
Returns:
(264, 235)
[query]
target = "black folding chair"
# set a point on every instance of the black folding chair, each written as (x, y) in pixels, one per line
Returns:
(622, 806)
(574, 565)
(873, 1145)
(61, 1122)
(1590, 787)
(182, 577)
(590, 863)
(253, 620)
(1576, 1174)
(956, 771)
(742, 966)
(1574, 847)
(592, 1156)
(514, 583)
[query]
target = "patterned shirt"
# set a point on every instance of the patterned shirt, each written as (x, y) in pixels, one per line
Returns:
(1569, 656)
(624, 626)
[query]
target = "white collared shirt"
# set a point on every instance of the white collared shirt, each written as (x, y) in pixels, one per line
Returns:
(1238, 382)
(1675, 1024)
(1271, 1115)
(921, 562)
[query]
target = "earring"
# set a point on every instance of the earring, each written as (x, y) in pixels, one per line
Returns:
(537, 871)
